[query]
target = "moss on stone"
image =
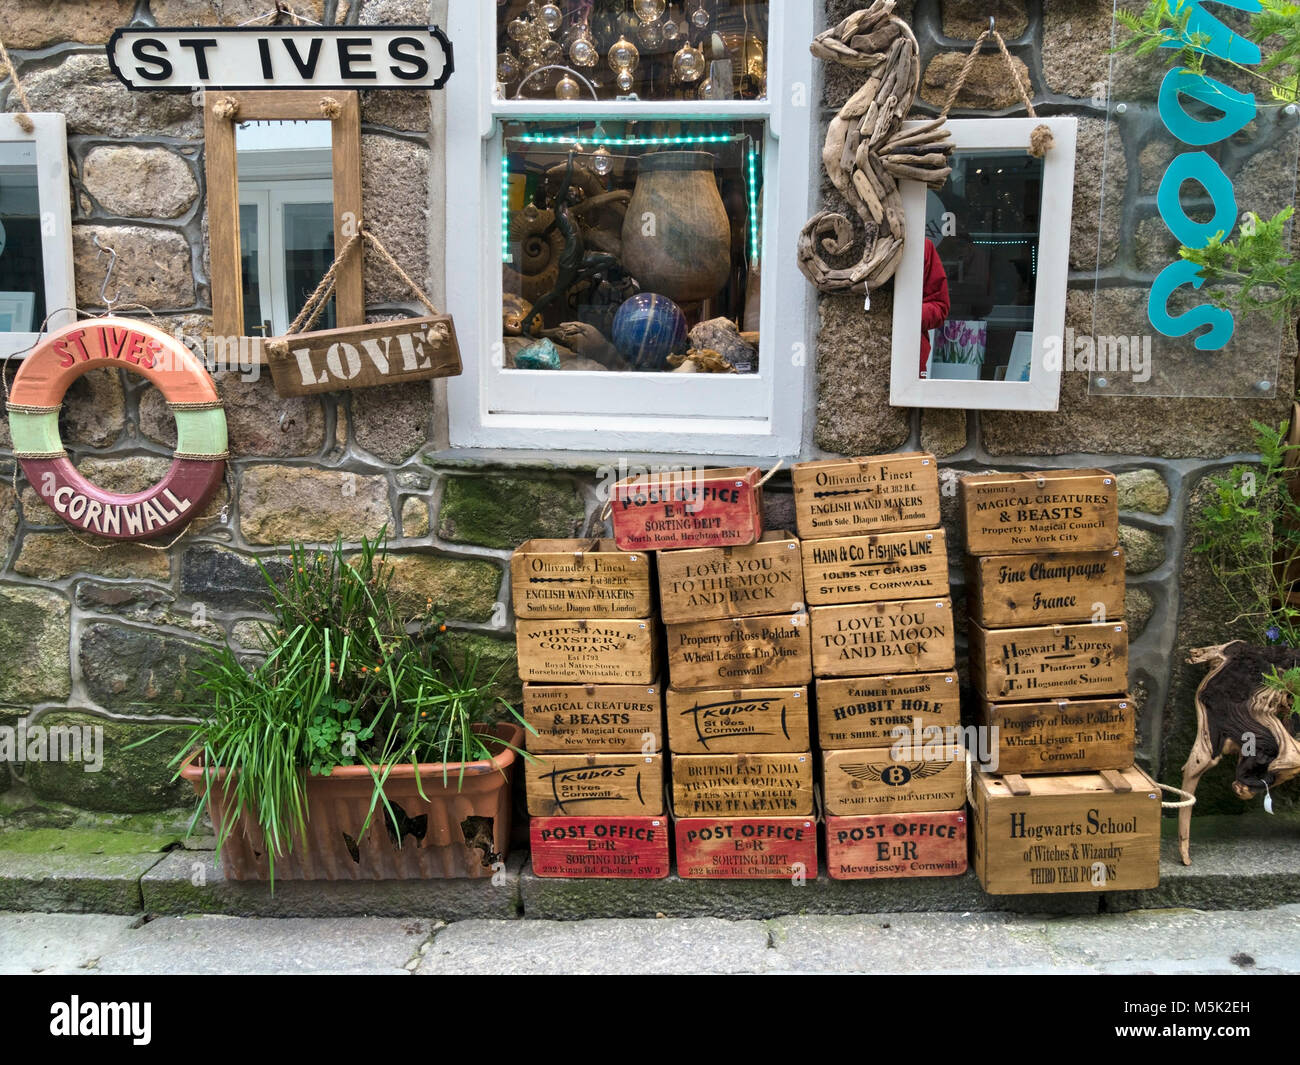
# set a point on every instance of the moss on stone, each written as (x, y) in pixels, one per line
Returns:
(35, 630)
(495, 656)
(503, 512)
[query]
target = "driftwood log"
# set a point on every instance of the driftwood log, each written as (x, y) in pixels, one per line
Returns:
(867, 152)
(1237, 714)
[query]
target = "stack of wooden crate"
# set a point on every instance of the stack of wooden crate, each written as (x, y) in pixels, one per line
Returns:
(876, 579)
(1066, 809)
(589, 657)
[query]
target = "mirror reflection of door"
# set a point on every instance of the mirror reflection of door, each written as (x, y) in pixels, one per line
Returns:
(22, 266)
(985, 224)
(286, 220)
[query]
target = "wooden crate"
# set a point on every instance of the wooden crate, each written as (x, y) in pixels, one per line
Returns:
(869, 569)
(740, 785)
(587, 651)
(1078, 832)
(584, 848)
(873, 781)
(892, 846)
(1057, 510)
(857, 712)
(1067, 736)
(689, 508)
(1051, 662)
(752, 720)
(580, 579)
(852, 497)
(761, 652)
(594, 718)
(1016, 591)
(595, 785)
(869, 639)
(746, 848)
(730, 582)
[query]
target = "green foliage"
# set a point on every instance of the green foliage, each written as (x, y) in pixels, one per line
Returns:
(1288, 683)
(1258, 263)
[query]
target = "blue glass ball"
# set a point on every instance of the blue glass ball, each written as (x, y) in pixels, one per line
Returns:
(647, 329)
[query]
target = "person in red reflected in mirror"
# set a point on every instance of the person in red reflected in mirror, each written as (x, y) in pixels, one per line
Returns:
(934, 301)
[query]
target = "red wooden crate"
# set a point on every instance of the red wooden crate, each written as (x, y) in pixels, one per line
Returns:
(691, 508)
(890, 846)
(746, 848)
(582, 848)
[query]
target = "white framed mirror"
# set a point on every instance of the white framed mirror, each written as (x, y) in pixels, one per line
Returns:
(979, 298)
(36, 275)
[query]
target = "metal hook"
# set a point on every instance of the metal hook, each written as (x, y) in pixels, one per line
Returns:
(992, 23)
(108, 274)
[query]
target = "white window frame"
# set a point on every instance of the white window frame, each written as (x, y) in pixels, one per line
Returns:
(490, 405)
(1042, 392)
(271, 198)
(49, 135)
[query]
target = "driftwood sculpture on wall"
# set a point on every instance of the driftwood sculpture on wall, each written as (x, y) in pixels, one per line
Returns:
(1237, 714)
(867, 152)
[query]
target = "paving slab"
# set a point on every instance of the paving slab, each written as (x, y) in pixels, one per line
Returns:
(57, 942)
(73, 883)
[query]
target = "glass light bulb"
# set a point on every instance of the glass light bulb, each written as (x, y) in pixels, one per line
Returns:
(567, 89)
(552, 16)
(672, 30)
(625, 81)
(583, 51)
(551, 52)
(508, 67)
(601, 161)
(700, 17)
(688, 65)
(532, 8)
(651, 34)
(518, 30)
(624, 56)
(706, 89)
(648, 10)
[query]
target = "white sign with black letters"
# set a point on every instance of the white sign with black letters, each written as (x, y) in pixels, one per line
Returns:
(281, 57)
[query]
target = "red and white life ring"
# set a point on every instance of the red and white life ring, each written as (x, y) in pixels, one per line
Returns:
(200, 459)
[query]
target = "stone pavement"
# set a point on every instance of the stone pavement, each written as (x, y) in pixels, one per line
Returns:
(1140, 941)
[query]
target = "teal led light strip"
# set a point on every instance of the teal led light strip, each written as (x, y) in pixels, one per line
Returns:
(753, 206)
(506, 257)
(626, 142)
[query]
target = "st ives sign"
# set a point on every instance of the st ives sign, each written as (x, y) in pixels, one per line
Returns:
(281, 57)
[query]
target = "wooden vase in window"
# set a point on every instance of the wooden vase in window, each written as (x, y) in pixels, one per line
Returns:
(676, 236)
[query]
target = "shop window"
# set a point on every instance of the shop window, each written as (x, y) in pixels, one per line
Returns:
(36, 278)
(643, 172)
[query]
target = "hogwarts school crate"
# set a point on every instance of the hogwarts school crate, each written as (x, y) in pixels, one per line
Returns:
(1066, 736)
(869, 639)
(746, 848)
(875, 781)
(587, 650)
(1056, 510)
(868, 569)
(742, 785)
(738, 721)
(866, 711)
(580, 579)
(1017, 591)
(888, 846)
(594, 785)
(632, 848)
(711, 583)
(759, 652)
(1076, 832)
(1048, 662)
(853, 497)
(688, 508)
(594, 718)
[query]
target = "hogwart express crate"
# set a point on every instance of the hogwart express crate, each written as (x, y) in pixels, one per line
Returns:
(1048, 662)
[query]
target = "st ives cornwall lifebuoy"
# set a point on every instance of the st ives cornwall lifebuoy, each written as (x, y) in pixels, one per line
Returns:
(118, 343)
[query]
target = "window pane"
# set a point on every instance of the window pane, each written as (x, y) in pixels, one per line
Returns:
(22, 268)
(255, 323)
(645, 48)
(308, 255)
(659, 233)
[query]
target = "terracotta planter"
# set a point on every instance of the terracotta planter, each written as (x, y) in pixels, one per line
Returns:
(460, 832)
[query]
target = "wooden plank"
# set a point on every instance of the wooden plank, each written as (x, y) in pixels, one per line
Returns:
(221, 171)
(594, 718)
(758, 720)
(594, 785)
(867, 569)
(873, 781)
(729, 582)
(1056, 510)
(691, 508)
(767, 652)
(893, 846)
(869, 639)
(580, 578)
(364, 356)
(349, 290)
(587, 651)
(746, 848)
(1065, 736)
(857, 712)
(1116, 781)
(1051, 662)
(1016, 591)
(738, 785)
(1071, 833)
(854, 497)
(584, 848)
(1015, 784)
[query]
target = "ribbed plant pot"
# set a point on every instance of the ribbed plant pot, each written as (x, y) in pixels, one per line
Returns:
(462, 829)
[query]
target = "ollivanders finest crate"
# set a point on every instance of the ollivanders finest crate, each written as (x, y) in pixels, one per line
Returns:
(750, 720)
(595, 785)
(869, 569)
(1057, 510)
(739, 785)
(746, 848)
(587, 651)
(688, 508)
(761, 652)
(1066, 736)
(624, 848)
(868, 639)
(580, 579)
(594, 718)
(729, 582)
(1016, 591)
(857, 712)
(1051, 662)
(852, 497)
(884, 780)
(1076, 832)
(890, 846)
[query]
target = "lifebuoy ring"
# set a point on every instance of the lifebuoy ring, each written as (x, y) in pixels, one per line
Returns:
(118, 343)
